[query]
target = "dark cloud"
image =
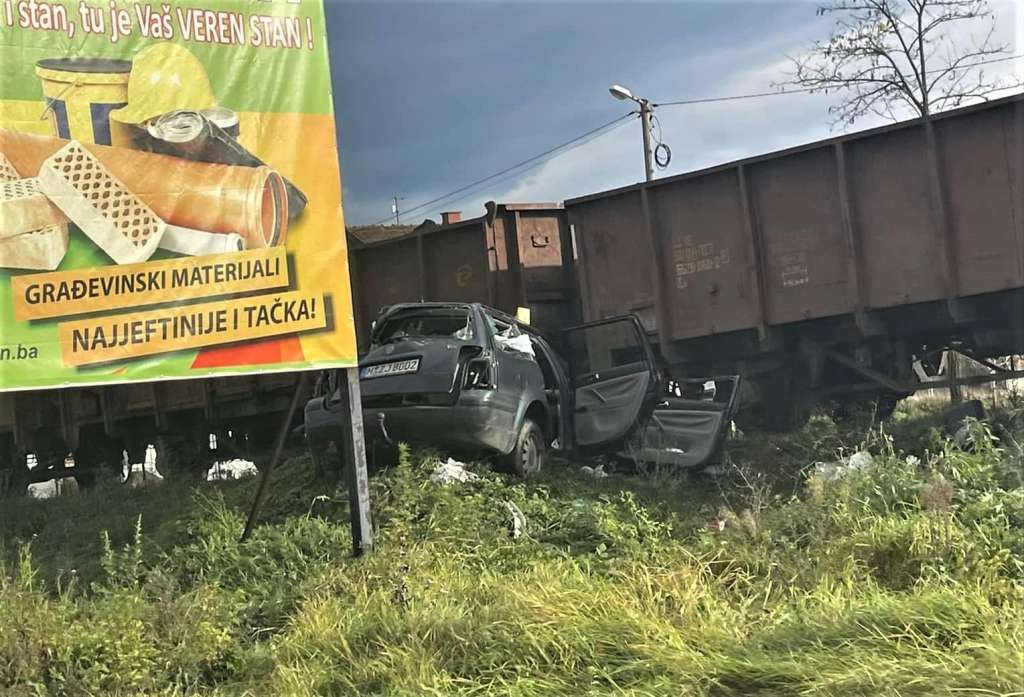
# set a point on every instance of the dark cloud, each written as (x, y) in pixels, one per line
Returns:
(431, 96)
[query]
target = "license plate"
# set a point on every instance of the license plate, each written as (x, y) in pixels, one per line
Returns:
(386, 369)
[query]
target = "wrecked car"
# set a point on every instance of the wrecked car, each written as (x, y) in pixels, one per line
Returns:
(466, 378)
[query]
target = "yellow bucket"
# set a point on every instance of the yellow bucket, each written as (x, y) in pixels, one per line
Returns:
(80, 94)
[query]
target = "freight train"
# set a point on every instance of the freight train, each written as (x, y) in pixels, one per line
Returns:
(835, 271)
(822, 272)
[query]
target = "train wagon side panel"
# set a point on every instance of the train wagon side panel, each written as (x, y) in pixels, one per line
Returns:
(704, 242)
(895, 218)
(456, 266)
(796, 213)
(616, 260)
(980, 158)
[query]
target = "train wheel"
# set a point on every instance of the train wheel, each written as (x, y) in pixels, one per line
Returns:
(881, 406)
(99, 456)
(181, 455)
(12, 468)
(783, 404)
(50, 450)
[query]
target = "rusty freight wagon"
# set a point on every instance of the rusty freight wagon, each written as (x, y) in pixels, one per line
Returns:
(95, 424)
(515, 255)
(823, 271)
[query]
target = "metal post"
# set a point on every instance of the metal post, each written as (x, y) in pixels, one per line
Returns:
(394, 209)
(282, 436)
(645, 121)
(354, 459)
(956, 395)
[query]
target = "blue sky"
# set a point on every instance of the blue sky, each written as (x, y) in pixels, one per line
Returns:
(433, 95)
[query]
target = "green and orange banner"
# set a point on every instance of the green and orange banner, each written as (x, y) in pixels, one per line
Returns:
(170, 194)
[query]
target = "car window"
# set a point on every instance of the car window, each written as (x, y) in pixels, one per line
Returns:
(454, 324)
(604, 346)
(509, 336)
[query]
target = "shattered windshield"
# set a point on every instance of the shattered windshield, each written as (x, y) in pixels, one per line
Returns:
(450, 323)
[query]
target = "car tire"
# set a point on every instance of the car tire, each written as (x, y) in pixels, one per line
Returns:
(528, 455)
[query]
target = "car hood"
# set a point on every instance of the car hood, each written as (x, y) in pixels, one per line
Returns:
(439, 362)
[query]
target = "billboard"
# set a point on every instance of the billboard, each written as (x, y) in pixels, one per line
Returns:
(170, 197)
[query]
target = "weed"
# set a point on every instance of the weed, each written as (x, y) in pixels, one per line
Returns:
(904, 576)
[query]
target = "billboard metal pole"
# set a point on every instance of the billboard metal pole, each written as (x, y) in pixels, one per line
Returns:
(354, 459)
(282, 436)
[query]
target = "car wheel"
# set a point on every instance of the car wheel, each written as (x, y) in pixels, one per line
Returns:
(527, 457)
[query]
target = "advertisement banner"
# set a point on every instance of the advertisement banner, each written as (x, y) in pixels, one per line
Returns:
(170, 197)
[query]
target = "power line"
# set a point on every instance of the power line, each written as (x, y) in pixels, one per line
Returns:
(533, 165)
(756, 95)
(532, 161)
(537, 160)
(708, 100)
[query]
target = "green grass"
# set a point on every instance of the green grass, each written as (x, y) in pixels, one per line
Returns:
(906, 578)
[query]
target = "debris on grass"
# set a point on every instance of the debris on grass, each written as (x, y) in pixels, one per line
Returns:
(834, 470)
(452, 471)
(517, 521)
(902, 576)
(230, 470)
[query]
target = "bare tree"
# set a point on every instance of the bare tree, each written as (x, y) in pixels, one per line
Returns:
(889, 54)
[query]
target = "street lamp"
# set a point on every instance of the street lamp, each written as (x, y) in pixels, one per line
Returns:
(622, 93)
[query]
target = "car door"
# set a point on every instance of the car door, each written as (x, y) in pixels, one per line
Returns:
(613, 379)
(687, 424)
(623, 402)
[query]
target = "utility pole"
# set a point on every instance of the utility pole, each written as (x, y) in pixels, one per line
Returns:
(646, 109)
(394, 209)
(645, 121)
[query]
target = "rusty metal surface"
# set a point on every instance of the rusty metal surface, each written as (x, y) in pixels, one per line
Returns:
(456, 264)
(886, 218)
(705, 244)
(895, 218)
(797, 211)
(614, 260)
(510, 257)
(976, 154)
(540, 249)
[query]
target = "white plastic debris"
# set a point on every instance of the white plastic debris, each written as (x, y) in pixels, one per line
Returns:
(142, 473)
(231, 470)
(520, 343)
(142, 477)
(452, 471)
(860, 460)
(833, 470)
(595, 472)
(64, 486)
(517, 525)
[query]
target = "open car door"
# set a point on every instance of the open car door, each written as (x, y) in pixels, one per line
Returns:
(623, 402)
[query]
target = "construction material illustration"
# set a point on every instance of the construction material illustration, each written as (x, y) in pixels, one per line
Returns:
(80, 93)
(24, 208)
(164, 77)
(197, 243)
(249, 201)
(37, 250)
(7, 171)
(199, 136)
(117, 220)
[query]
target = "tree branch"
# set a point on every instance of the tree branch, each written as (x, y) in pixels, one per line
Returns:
(879, 54)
